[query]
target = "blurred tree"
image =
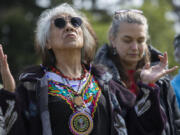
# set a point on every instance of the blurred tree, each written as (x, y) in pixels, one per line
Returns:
(100, 21)
(17, 24)
(18, 20)
(17, 32)
(161, 29)
(176, 7)
(57, 2)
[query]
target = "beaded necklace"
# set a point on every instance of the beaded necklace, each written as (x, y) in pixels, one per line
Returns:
(83, 103)
(68, 79)
(68, 84)
(57, 71)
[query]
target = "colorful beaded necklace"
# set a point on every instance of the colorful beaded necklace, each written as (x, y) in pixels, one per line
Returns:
(87, 98)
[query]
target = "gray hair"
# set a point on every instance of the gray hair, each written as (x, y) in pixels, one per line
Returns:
(133, 17)
(44, 24)
(127, 16)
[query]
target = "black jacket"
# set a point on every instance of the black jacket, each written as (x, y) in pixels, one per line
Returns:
(26, 112)
(167, 96)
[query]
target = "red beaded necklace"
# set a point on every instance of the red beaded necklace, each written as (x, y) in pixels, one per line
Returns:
(57, 71)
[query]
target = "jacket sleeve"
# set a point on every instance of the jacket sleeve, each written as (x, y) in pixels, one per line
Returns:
(146, 117)
(11, 122)
(176, 111)
(27, 98)
(19, 113)
(118, 126)
(170, 105)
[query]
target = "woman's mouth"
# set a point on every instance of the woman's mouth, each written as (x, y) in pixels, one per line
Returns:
(71, 35)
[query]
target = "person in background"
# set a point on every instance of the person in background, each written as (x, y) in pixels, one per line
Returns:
(127, 58)
(168, 97)
(175, 82)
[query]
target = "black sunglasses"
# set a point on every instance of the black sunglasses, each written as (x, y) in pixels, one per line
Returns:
(61, 22)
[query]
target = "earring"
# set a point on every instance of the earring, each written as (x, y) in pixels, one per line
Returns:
(114, 51)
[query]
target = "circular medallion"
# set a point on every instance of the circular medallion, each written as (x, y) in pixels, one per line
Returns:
(81, 123)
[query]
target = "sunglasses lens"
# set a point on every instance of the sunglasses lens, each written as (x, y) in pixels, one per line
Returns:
(59, 22)
(76, 21)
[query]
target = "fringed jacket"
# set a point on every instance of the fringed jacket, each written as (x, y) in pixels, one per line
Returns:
(146, 116)
(26, 112)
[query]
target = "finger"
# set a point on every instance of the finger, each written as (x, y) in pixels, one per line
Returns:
(1, 56)
(147, 66)
(171, 69)
(4, 68)
(163, 60)
(4, 62)
(161, 57)
(165, 57)
(1, 52)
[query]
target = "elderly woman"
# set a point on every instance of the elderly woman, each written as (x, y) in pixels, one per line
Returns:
(65, 95)
(128, 60)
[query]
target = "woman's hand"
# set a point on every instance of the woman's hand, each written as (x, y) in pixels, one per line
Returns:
(154, 73)
(7, 78)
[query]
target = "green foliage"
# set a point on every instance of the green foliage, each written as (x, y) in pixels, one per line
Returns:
(100, 23)
(17, 38)
(18, 21)
(160, 28)
(57, 2)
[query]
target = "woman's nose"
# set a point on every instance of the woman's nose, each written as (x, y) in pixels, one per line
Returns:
(69, 27)
(134, 45)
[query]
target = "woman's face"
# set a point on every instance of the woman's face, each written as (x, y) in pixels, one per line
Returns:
(67, 37)
(130, 43)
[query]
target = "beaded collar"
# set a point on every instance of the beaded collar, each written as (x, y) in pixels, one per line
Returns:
(90, 93)
(83, 103)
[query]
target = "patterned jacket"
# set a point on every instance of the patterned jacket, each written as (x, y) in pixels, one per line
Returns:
(146, 117)
(25, 112)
